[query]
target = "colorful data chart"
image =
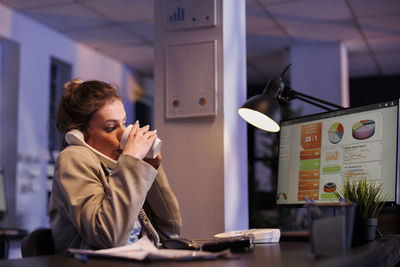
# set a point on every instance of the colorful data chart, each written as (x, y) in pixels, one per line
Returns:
(310, 161)
(360, 153)
(335, 133)
(357, 174)
(329, 187)
(332, 163)
(363, 152)
(363, 129)
(311, 135)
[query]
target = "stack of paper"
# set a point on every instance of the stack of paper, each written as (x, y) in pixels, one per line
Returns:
(266, 235)
(145, 249)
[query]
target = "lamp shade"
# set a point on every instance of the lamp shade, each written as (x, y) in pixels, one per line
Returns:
(262, 111)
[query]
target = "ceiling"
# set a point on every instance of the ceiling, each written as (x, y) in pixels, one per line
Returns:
(123, 29)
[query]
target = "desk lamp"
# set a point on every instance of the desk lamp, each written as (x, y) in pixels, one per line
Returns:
(263, 111)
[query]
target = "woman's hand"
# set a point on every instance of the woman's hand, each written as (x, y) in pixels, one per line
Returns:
(156, 162)
(139, 141)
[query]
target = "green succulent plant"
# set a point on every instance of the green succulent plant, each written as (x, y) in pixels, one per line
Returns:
(367, 195)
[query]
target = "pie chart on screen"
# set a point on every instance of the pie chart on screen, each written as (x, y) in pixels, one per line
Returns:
(335, 133)
(363, 129)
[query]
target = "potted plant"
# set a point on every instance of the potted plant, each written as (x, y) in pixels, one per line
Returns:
(370, 201)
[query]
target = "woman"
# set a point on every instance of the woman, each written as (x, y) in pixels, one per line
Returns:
(93, 206)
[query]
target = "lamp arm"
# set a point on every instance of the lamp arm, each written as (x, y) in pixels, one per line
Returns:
(314, 101)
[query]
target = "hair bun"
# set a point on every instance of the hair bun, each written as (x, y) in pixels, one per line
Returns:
(73, 84)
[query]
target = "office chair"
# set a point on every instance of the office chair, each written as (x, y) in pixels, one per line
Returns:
(38, 243)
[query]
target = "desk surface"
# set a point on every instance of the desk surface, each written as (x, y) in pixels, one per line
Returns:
(382, 252)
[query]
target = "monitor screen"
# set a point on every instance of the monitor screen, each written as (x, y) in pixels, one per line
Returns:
(318, 153)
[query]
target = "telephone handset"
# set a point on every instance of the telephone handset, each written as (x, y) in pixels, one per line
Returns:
(76, 137)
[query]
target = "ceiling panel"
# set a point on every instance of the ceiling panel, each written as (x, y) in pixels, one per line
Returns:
(123, 29)
(278, 2)
(250, 3)
(311, 11)
(257, 19)
(24, 4)
(356, 47)
(381, 27)
(375, 8)
(144, 29)
(66, 16)
(131, 55)
(383, 45)
(123, 10)
(104, 36)
(324, 32)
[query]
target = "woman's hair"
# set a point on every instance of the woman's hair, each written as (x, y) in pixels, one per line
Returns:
(79, 103)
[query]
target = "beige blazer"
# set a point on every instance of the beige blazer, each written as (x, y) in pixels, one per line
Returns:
(92, 208)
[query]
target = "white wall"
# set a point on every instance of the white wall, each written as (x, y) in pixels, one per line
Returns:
(320, 70)
(37, 45)
(206, 158)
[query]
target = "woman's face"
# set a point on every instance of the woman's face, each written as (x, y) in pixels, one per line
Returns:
(106, 128)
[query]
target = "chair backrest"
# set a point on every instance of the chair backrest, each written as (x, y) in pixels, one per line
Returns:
(38, 243)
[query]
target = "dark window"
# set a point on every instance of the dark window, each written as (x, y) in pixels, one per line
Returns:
(60, 73)
(371, 90)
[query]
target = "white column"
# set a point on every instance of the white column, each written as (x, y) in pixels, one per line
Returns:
(206, 157)
(235, 133)
(319, 70)
(1, 97)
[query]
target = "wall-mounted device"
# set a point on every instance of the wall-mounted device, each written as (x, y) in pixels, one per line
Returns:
(191, 80)
(187, 14)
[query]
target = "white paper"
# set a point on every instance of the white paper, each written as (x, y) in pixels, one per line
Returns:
(264, 235)
(145, 249)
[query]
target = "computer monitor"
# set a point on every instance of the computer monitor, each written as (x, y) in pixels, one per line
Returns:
(318, 153)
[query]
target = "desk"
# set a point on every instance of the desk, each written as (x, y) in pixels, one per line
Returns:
(382, 252)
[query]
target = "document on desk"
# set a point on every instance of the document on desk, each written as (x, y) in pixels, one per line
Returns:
(263, 235)
(145, 249)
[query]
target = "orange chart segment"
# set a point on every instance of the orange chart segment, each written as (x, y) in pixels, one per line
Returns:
(310, 194)
(309, 175)
(310, 154)
(309, 185)
(311, 135)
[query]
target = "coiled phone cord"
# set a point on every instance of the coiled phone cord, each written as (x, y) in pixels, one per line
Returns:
(145, 220)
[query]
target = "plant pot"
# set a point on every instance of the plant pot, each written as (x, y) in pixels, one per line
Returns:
(364, 231)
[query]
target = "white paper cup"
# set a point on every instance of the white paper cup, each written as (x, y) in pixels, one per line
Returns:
(154, 150)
